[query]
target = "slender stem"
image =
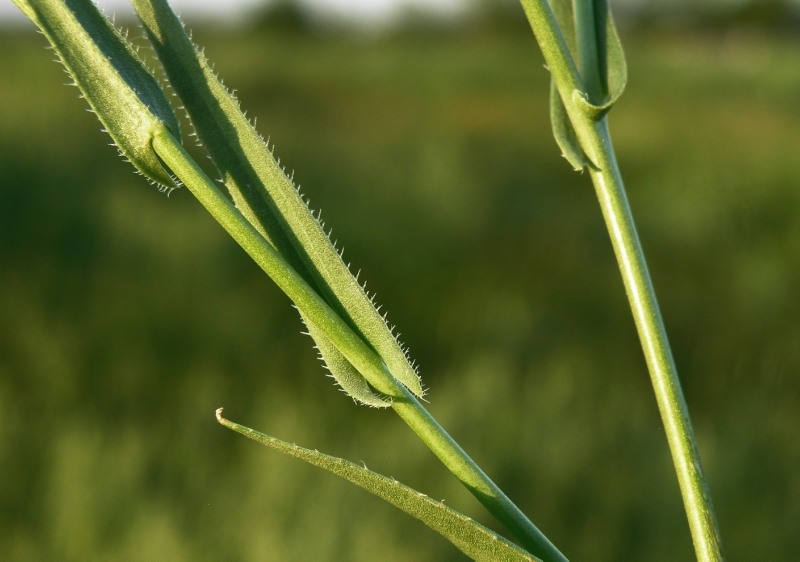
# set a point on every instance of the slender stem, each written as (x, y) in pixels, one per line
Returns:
(663, 373)
(354, 349)
(554, 47)
(476, 481)
(594, 138)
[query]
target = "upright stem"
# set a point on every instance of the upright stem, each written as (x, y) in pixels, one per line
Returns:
(593, 136)
(653, 336)
(586, 39)
(355, 350)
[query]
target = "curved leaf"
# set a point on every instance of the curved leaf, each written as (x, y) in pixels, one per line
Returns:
(469, 536)
(563, 131)
(342, 371)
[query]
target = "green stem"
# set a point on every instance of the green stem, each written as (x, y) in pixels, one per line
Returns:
(653, 336)
(594, 138)
(354, 349)
(476, 481)
(588, 56)
(554, 47)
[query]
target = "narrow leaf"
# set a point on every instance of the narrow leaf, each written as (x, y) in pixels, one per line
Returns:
(562, 10)
(265, 195)
(120, 90)
(615, 68)
(469, 536)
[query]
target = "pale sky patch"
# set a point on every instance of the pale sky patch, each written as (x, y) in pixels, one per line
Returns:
(367, 11)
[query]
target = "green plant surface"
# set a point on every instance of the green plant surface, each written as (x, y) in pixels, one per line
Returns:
(268, 198)
(589, 74)
(109, 336)
(123, 94)
(365, 347)
(274, 226)
(472, 539)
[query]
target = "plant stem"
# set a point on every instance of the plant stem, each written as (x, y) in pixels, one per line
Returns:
(586, 39)
(658, 355)
(476, 481)
(354, 349)
(591, 129)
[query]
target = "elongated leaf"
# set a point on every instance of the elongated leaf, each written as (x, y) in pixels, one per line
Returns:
(469, 536)
(311, 305)
(120, 90)
(268, 198)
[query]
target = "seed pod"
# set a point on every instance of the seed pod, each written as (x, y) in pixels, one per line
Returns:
(119, 88)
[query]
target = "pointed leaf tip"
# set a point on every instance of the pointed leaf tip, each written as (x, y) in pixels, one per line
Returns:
(466, 534)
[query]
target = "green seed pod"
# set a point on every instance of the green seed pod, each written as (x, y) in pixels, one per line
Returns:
(119, 88)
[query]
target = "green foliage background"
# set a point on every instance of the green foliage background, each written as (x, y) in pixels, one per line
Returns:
(128, 317)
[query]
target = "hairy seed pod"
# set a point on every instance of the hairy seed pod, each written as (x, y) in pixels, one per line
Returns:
(119, 88)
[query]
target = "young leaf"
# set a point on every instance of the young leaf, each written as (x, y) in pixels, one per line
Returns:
(305, 298)
(268, 198)
(469, 536)
(616, 68)
(603, 69)
(120, 90)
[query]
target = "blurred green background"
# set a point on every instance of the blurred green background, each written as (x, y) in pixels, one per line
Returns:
(129, 316)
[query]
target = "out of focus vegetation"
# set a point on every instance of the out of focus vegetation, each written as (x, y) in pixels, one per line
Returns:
(128, 317)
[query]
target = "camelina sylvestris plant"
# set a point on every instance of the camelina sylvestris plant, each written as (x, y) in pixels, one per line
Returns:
(268, 217)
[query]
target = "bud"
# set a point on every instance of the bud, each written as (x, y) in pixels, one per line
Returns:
(119, 88)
